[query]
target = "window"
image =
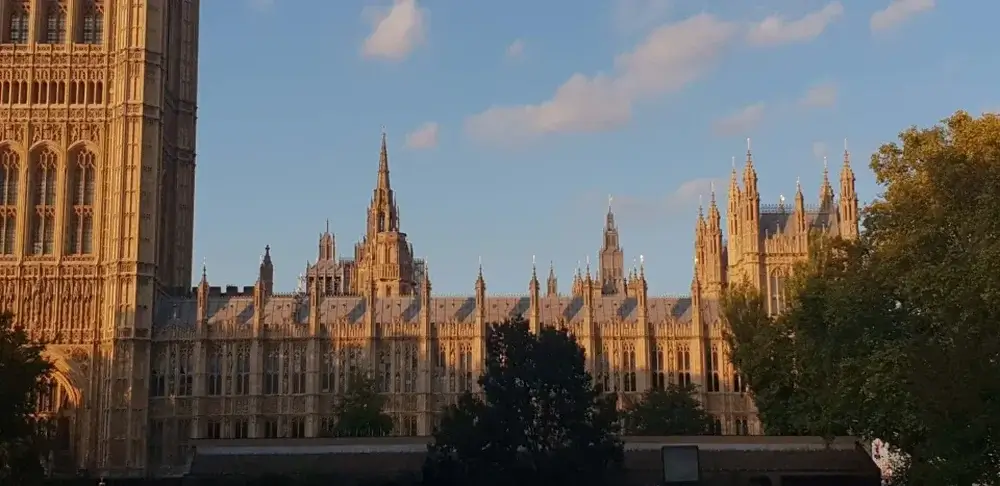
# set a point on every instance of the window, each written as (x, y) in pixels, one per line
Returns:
(213, 429)
(214, 378)
(185, 373)
(93, 22)
(81, 217)
(683, 365)
(242, 381)
(777, 291)
(658, 362)
(628, 370)
(9, 175)
(739, 386)
(714, 383)
(297, 427)
(19, 22)
(44, 201)
(328, 372)
(298, 370)
(742, 426)
(55, 22)
(241, 429)
(272, 364)
(270, 428)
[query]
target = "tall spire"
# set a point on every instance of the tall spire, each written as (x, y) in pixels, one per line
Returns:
(383, 165)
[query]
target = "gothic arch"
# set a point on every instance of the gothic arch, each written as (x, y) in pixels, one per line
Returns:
(40, 145)
(15, 146)
(66, 375)
(83, 145)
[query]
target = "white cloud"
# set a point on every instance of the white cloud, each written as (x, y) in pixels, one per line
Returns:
(515, 49)
(897, 12)
(691, 191)
(670, 58)
(633, 15)
(396, 31)
(820, 96)
(741, 121)
(777, 30)
(424, 137)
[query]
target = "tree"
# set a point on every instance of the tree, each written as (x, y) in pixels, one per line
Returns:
(894, 336)
(674, 411)
(358, 412)
(24, 374)
(539, 420)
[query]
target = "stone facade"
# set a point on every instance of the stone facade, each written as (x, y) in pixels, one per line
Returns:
(97, 124)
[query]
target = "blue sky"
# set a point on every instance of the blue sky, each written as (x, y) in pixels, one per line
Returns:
(510, 122)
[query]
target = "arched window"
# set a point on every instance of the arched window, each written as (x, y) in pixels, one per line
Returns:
(18, 22)
(43, 198)
(9, 175)
(80, 192)
(93, 22)
(776, 290)
(55, 22)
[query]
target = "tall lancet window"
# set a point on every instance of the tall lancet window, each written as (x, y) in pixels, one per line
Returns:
(44, 201)
(93, 22)
(777, 291)
(9, 175)
(81, 212)
(19, 21)
(55, 22)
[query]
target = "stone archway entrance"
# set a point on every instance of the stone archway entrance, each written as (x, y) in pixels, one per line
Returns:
(57, 404)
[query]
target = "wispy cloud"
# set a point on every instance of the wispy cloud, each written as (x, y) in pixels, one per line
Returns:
(740, 122)
(396, 31)
(516, 49)
(898, 12)
(680, 202)
(820, 96)
(777, 30)
(424, 137)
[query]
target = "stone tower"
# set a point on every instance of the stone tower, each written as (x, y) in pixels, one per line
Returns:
(612, 260)
(384, 257)
(765, 241)
(97, 139)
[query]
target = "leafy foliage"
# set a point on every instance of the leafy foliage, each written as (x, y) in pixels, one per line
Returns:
(23, 375)
(673, 411)
(540, 419)
(894, 336)
(358, 412)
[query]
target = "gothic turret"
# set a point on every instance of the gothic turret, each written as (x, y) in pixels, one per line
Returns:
(265, 274)
(848, 204)
(553, 283)
(385, 257)
(825, 191)
(612, 270)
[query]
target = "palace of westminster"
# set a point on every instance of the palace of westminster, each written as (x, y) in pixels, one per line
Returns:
(97, 158)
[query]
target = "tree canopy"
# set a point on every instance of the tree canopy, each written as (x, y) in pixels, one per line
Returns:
(671, 411)
(539, 420)
(894, 336)
(359, 411)
(23, 374)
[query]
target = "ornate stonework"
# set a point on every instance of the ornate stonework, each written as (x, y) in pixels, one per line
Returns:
(145, 363)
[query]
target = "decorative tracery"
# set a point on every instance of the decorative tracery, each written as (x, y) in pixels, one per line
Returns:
(55, 21)
(81, 214)
(44, 200)
(9, 178)
(19, 21)
(93, 22)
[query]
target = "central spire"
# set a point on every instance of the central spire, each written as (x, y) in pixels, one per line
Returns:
(383, 165)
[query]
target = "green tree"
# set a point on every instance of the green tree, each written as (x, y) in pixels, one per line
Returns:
(674, 411)
(539, 420)
(24, 373)
(358, 412)
(894, 336)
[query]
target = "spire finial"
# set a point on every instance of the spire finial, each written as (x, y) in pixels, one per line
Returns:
(204, 267)
(748, 145)
(611, 199)
(327, 225)
(383, 131)
(734, 163)
(845, 145)
(825, 165)
(533, 260)
(798, 183)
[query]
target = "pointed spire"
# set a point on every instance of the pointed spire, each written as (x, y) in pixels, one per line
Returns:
(642, 267)
(534, 270)
(204, 271)
(383, 164)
